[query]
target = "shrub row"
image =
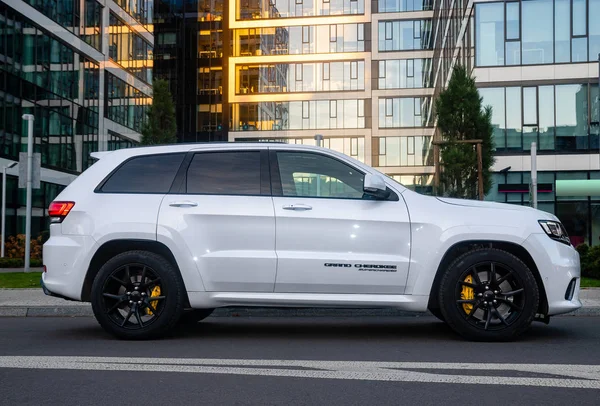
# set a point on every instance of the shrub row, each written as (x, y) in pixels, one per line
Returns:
(590, 260)
(19, 262)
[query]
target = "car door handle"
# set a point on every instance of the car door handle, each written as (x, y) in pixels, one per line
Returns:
(298, 207)
(183, 204)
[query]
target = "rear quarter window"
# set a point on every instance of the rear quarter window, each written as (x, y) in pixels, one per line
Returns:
(144, 174)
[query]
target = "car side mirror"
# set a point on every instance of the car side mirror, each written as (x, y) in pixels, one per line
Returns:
(375, 186)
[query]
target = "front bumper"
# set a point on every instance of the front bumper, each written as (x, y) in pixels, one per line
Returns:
(558, 265)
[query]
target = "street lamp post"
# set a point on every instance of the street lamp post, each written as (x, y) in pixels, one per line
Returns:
(29, 118)
(12, 165)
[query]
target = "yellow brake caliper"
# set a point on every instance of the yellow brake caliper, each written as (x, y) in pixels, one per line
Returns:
(467, 294)
(155, 292)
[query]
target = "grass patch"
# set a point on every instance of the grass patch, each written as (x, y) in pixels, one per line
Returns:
(590, 283)
(20, 280)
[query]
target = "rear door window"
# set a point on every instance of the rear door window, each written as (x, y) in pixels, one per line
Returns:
(145, 174)
(225, 173)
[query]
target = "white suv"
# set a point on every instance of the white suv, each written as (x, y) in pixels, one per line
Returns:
(152, 236)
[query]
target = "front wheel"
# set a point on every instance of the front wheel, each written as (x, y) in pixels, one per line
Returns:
(488, 295)
(138, 295)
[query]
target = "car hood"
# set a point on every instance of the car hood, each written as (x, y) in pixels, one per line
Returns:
(495, 205)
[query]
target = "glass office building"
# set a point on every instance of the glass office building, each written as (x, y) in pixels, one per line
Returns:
(83, 68)
(536, 63)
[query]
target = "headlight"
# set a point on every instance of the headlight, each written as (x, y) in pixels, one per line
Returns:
(556, 231)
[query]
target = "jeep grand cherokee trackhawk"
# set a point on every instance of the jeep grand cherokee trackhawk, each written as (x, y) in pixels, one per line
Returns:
(158, 235)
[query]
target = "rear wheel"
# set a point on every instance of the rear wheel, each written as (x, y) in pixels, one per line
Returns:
(137, 295)
(488, 295)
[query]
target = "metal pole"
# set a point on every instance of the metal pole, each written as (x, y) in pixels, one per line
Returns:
(29, 118)
(319, 139)
(534, 174)
(3, 207)
(480, 171)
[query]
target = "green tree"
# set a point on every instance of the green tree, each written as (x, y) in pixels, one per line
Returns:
(160, 126)
(461, 116)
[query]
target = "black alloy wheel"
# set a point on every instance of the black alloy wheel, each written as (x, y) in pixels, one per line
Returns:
(494, 299)
(133, 296)
(138, 295)
(489, 295)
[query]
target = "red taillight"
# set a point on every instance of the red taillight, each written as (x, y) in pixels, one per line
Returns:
(59, 210)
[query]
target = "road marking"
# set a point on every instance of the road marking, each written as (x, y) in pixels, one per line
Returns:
(566, 375)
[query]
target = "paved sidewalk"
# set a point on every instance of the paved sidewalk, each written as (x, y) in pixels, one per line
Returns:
(34, 303)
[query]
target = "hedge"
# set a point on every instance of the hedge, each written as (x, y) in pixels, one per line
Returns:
(590, 260)
(19, 263)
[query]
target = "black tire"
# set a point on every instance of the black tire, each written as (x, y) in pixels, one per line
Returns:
(501, 303)
(192, 316)
(124, 293)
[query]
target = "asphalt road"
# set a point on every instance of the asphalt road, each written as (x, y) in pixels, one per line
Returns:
(298, 361)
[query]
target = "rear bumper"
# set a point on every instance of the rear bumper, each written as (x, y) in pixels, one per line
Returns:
(558, 265)
(67, 259)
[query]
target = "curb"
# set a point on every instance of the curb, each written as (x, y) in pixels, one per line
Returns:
(86, 311)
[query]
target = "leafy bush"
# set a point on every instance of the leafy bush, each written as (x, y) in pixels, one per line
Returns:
(15, 247)
(19, 263)
(590, 260)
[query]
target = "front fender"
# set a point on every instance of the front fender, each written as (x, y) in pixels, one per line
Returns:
(431, 245)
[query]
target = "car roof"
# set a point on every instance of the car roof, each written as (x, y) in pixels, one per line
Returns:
(173, 148)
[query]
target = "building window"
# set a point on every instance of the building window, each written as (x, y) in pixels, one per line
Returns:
(140, 10)
(404, 35)
(399, 112)
(404, 74)
(124, 104)
(556, 117)
(294, 40)
(269, 9)
(300, 77)
(394, 6)
(129, 49)
(402, 151)
(92, 24)
(351, 146)
(299, 115)
(536, 32)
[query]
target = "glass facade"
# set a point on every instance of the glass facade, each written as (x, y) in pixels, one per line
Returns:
(141, 10)
(419, 183)
(129, 49)
(306, 39)
(64, 12)
(535, 32)
(58, 83)
(43, 78)
(124, 104)
(402, 151)
(404, 73)
(92, 24)
(269, 9)
(580, 215)
(351, 146)
(398, 112)
(559, 118)
(191, 46)
(299, 115)
(395, 6)
(404, 35)
(300, 77)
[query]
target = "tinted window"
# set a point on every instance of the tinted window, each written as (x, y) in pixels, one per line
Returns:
(225, 173)
(313, 175)
(145, 174)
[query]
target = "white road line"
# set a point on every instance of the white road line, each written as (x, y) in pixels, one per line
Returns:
(575, 376)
